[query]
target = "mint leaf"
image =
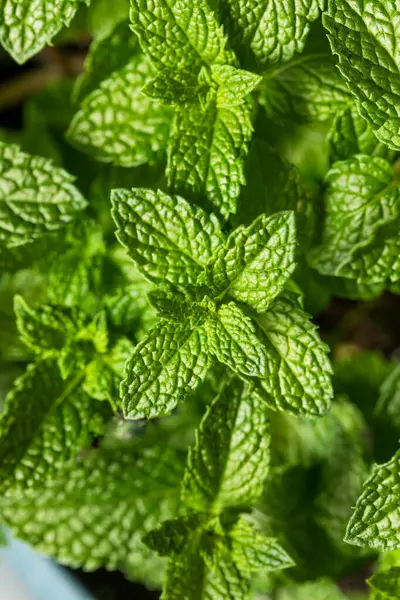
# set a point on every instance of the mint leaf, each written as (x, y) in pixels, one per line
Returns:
(36, 197)
(322, 589)
(309, 87)
(163, 368)
(256, 261)
(119, 124)
(26, 26)
(385, 584)
(167, 237)
(379, 262)
(229, 461)
(189, 578)
(103, 375)
(46, 422)
(75, 268)
(181, 37)
(206, 151)
(45, 329)
(364, 36)
(233, 84)
(374, 522)
(251, 550)
(298, 369)
(389, 397)
(343, 475)
(273, 184)
(172, 536)
(271, 30)
(232, 337)
(351, 134)
(112, 497)
(172, 87)
(361, 198)
(107, 55)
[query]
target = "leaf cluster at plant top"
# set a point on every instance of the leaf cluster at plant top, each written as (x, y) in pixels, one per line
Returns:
(172, 221)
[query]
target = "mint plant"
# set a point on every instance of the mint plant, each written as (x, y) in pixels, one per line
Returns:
(180, 223)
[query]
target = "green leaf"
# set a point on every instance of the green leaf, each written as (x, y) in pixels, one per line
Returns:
(107, 55)
(351, 134)
(272, 184)
(94, 513)
(343, 475)
(103, 375)
(36, 197)
(172, 536)
(361, 199)
(164, 367)
(232, 337)
(45, 328)
(168, 238)
(310, 87)
(26, 26)
(119, 124)
(256, 261)
(271, 30)
(375, 521)
(170, 87)
(298, 369)
(322, 589)
(389, 397)
(379, 262)
(46, 422)
(364, 35)
(206, 151)
(74, 269)
(180, 36)
(229, 461)
(233, 84)
(385, 584)
(252, 550)
(189, 577)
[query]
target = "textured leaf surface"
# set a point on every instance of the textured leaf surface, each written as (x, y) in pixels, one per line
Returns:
(310, 87)
(180, 35)
(167, 237)
(298, 369)
(46, 422)
(273, 30)
(389, 397)
(256, 261)
(189, 578)
(107, 55)
(163, 368)
(94, 513)
(352, 134)
(35, 197)
(26, 26)
(119, 124)
(386, 584)
(233, 84)
(43, 329)
(361, 198)
(229, 461)
(365, 36)
(206, 152)
(251, 550)
(233, 339)
(375, 521)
